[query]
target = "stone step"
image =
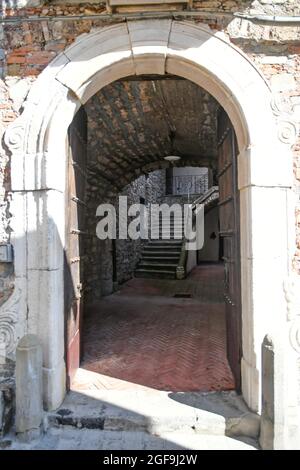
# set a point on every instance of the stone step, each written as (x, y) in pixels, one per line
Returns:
(169, 253)
(164, 244)
(154, 234)
(193, 414)
(157, 265)
(155, 274)
(179, 234)
(165, 233)
(66, 438)
(160, 249)
(161, 259)
(165, 239)
(90, 439)
(161, 227)
(160, 233)
(177, 220)
(165, 227)
(154, 241)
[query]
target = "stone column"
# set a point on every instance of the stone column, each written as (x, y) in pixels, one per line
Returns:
(29, 404)
(266, 438)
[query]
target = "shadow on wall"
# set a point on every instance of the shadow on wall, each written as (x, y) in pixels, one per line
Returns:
(81, 411)
(240, 421)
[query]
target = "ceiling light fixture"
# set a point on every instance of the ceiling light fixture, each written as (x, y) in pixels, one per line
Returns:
(172, 158)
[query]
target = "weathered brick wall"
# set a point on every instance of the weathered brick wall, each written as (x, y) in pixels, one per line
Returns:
(60, 7)
(27, 47)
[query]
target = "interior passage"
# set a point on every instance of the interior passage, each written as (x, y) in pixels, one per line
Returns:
(162, 334)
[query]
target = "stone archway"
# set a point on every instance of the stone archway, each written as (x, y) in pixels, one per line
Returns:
(37, 141)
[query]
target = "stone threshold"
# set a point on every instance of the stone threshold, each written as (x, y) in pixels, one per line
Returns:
(157, 412)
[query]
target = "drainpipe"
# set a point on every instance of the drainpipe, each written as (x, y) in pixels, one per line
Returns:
(278, 20)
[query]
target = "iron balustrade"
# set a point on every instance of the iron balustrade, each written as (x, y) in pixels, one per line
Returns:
(187, 184)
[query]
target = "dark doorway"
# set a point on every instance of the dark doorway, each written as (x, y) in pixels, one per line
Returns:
(119, 167)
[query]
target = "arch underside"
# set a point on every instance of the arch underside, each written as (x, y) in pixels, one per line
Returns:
(134, 123)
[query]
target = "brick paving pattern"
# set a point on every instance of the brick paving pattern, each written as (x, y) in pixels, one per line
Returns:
(144, 335)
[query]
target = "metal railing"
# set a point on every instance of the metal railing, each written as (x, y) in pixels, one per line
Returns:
(187, 184)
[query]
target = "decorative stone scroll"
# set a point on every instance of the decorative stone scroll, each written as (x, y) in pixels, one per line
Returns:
(292, 296)
(8, 320)
(14, 136)
(285, 114)
(295, 334)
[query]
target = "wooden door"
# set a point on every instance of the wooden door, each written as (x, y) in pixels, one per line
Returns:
(229, 231)
(75, 233)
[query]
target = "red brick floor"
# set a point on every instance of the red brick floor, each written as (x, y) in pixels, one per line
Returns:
(144, 335)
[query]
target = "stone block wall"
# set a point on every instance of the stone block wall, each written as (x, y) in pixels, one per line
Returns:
(98, 271)
(152, 188)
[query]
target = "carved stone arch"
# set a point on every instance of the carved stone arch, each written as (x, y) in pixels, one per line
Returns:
(37, 141)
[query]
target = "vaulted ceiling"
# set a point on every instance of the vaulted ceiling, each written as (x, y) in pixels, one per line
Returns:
(133, 124)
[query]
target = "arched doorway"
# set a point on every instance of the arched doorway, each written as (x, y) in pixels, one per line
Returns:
(38, 139)
(117, 150)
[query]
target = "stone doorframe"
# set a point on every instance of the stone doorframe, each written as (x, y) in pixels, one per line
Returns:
(38, 146)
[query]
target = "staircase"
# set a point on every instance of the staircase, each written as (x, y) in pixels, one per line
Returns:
(165, 256)
(160, 256)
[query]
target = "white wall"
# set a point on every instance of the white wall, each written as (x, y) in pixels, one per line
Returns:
(210, 250)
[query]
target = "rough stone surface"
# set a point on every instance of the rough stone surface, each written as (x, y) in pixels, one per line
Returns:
(27, 48)
(133, 121)
(99, 263)
(246, 425)
(267, 418)
(88, 439)
(145, 420)
(29, 407)
(129, 125)
(147, 189)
